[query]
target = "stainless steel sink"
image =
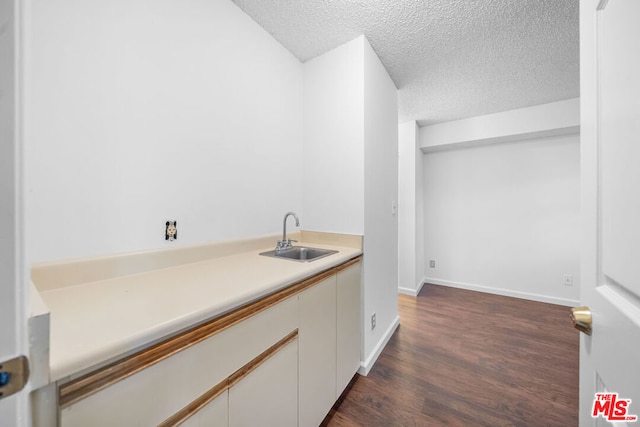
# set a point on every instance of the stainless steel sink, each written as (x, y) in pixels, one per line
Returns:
(300, 253)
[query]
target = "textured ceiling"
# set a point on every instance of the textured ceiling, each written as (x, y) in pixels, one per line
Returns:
(450, 59)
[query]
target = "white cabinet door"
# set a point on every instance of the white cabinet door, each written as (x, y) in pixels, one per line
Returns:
(268, 396)
(13, 299)
(215, 414)
(317, 335)
(348, 326)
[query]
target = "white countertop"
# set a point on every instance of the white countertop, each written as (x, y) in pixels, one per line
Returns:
(92, 323)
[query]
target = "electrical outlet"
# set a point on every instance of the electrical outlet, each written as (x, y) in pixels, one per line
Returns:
(432, 264)
(568, 280)
(171, 230)
(373, 321)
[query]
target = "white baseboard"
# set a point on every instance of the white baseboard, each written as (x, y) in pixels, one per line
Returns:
(366, 366)
(412, 292)
(504, 292)
(407, 291)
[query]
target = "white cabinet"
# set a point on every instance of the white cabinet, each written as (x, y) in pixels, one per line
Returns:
(348, 325)
(330, 341)
(214, 414)
(317, 352)
(268, 396)
(157, 391)
(279, 361)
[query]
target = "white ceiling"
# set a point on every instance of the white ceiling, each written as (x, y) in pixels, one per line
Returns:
(450, 59)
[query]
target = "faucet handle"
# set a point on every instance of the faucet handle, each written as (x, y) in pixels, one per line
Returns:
(284, 244)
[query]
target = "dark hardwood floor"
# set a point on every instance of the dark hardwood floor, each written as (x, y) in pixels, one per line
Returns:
(465, 358)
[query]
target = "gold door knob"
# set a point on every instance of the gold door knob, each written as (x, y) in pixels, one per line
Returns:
(581, 317)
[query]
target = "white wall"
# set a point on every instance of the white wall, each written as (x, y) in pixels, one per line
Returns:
(142, 111)
(407, 209)
(350, 171)
(333, 164)
(552, 119)
(381, 198)
(504, 218)
(410, 211)
(420, 210)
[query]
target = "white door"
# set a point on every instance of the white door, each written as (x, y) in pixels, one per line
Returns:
(12, 317)
(610, 138)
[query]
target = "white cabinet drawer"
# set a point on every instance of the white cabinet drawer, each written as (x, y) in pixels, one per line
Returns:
(156, 392)
(268, 396)
(215, 414)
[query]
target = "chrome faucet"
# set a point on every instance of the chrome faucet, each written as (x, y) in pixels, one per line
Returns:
(284, 243)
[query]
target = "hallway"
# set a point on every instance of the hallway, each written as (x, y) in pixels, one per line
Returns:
(466, 358)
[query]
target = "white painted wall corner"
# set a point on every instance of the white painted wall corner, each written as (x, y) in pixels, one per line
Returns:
(367, 364)
(412, 291)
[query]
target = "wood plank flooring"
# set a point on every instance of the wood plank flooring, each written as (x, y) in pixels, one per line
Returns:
(465, 358)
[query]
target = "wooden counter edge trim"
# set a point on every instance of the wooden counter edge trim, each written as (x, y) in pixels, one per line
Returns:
(261, 358)
(192, 408)
(347, 264)
(79, 388)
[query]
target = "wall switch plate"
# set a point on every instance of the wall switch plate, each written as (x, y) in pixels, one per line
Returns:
(373, 321)
(568, 280)
(432, 264)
